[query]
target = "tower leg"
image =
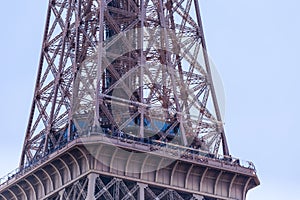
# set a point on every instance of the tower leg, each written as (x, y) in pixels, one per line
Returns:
(91, 186)
(142, 187)
(61, 194)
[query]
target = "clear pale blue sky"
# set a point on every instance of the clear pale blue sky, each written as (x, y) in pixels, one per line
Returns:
(255, 45)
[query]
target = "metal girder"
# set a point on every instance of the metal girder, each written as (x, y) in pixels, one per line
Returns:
(161, 172)
(76, 191)
(93, 49)
(137, 73)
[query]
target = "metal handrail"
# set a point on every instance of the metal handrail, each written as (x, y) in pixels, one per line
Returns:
(184, 152)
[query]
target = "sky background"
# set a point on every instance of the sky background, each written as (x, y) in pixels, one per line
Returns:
(255, 46)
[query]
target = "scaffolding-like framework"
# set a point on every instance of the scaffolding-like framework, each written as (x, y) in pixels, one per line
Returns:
(133, 67)
(125, 108)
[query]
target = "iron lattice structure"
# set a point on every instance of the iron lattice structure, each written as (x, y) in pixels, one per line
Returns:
(133, 67)
(114, 188)
(125, 108)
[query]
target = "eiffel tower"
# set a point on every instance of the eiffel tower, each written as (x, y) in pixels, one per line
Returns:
(125, 107)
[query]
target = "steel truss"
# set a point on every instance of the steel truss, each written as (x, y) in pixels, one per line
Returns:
(96, 168)
(125, 107)
(124, 66)
(110, 188)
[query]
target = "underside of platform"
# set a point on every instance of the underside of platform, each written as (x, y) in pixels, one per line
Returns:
(98, 167)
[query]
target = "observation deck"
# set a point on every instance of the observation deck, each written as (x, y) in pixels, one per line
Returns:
(156, 163)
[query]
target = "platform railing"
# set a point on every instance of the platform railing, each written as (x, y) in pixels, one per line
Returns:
(187, 153)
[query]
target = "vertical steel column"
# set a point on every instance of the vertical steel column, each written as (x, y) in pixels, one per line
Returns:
(61, 194)
(210, 80)
(141, 195)
(37, 85)
(91, 186)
